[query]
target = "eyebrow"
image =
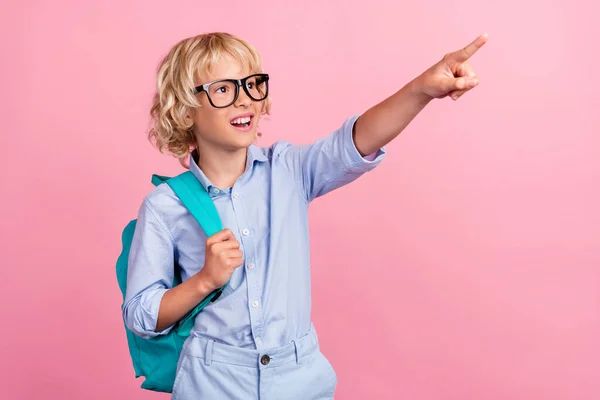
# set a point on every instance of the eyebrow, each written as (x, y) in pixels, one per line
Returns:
(229, 79)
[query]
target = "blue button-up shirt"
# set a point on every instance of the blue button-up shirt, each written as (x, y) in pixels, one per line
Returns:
(268, 301)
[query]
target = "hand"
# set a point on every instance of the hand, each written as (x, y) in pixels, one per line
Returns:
(453, 76)
(222, 257)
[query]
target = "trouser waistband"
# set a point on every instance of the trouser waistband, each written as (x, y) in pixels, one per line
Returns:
(212, 351)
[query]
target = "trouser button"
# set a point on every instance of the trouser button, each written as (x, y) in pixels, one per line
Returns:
(264, 360)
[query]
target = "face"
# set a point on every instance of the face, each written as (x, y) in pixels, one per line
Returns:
(220, 128)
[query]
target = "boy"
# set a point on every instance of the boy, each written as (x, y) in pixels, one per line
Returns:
(257, 340)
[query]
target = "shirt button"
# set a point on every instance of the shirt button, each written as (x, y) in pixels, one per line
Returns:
(251, 265)
(246, 232)
(264, 360)
(258, 341)
(255, 304)
(236, 195)
(217, 191)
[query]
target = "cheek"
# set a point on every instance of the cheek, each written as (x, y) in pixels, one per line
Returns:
(259, 107)
(211, 117)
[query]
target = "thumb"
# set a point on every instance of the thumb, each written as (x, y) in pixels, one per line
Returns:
(222, 236)
(461, 83)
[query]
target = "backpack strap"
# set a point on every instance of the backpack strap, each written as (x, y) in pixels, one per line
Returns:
(195, 198)
(198, 202)
(158, 179)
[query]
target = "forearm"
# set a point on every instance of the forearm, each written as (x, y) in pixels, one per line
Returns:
(383, 122)
(181, 299)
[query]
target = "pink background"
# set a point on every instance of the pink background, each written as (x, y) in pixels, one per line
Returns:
(465, 267)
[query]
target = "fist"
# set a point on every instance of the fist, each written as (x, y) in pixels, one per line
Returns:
(223, 256)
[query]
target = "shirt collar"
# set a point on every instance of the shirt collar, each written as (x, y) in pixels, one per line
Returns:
(254, 153)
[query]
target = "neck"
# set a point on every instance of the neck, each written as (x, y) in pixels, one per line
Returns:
(222, 167)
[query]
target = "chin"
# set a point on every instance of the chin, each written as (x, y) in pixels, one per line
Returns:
(244, 139)
(242, 142)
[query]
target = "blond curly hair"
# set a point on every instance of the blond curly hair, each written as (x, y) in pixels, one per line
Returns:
(176, 78)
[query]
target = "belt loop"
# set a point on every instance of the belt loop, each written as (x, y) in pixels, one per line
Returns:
(209, 352)
(296, 351)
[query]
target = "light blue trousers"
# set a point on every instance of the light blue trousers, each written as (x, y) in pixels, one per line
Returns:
(298, 371)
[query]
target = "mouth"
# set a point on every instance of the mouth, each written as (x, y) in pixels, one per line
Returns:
(243, 123)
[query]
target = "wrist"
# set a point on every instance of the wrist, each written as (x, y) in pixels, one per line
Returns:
(417, 90)
(203, 284)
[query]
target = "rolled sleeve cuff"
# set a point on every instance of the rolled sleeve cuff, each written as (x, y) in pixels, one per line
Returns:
(353, 159)
(146, 317)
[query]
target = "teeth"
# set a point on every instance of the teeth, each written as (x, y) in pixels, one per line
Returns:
(241, 120)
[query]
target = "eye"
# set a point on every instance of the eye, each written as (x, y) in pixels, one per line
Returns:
(221, 89)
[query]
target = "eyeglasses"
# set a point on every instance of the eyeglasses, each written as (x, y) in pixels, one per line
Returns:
(225, 92)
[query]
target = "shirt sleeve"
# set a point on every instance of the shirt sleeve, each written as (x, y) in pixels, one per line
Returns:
(330, 162)
(150, 272)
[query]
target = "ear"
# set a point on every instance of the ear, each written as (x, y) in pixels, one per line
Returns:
(189, 115)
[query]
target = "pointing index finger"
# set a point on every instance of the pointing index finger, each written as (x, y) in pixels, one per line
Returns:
(465, 53)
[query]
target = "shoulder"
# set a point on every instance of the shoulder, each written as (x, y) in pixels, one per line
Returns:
(164, 204)
(275, 151)
(269, 152)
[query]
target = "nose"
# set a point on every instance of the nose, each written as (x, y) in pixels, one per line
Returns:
(243, 100)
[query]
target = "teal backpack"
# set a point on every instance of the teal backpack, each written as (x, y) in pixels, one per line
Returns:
(156, 358)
